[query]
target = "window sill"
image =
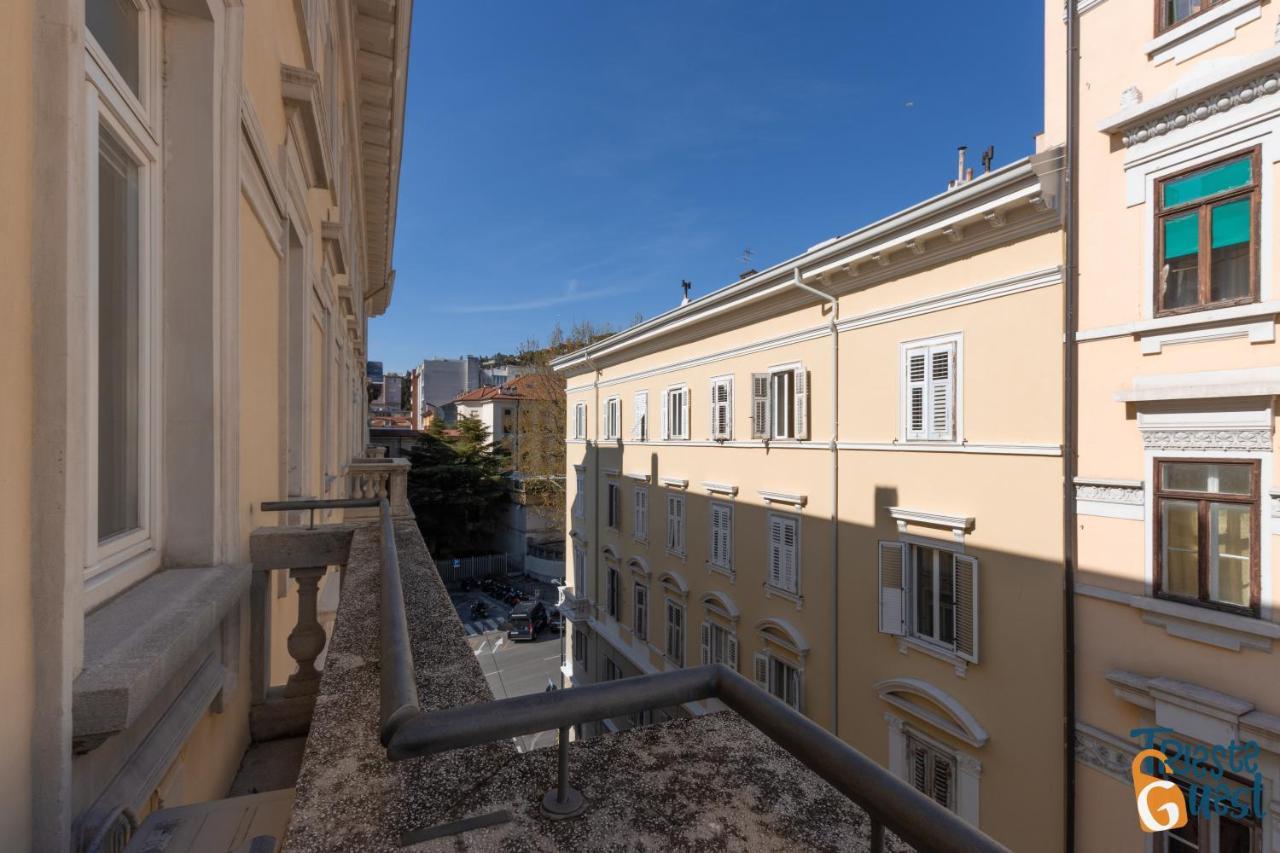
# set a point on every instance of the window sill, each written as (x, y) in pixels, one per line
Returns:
(907, 643)
(679, 555)
(136, 643)
(722, 570)
(773, 591)
(1203, 32)
(1198, 624)
(1174, 322)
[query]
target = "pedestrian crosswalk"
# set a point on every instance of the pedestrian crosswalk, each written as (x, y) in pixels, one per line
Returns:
(480, 626)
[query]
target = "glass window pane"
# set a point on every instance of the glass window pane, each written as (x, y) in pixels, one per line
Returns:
(1181, 557)
(1230, 559)
(1210, 181)
(1232, 229)
(1180, 272)
(1227, 478)
(114, 24)
(924, 590)
(118, 339)
(946, 597)
(1234, 836)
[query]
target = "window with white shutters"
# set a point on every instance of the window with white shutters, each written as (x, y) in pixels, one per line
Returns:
(612, 419)
(579, 498)
(760, 405)
(779, 678)
(640, 611)
(722, 408)
(786, 402)
(675, 413)
(580, 420)
(641, 513)
(579, 646)
(930, 594)
(932, 771)
(675, 524)
(640, 417)
(930, 384)
(615, 506)
(675, 632)
(722, 535)
(719, 645)
(784, 553)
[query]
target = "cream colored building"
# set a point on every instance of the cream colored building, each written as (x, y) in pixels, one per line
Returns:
(200, 202)
(1177, 619)
(842, 476)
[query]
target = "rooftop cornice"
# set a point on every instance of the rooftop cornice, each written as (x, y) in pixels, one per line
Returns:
(891, 247)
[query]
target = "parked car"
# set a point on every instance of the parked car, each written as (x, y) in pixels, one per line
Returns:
(555, 620)
(527, 619)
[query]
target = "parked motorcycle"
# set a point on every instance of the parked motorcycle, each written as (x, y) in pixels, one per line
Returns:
(479, 610)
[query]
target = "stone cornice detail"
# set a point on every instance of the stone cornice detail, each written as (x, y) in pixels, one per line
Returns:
(1103, 751)
(1266, 84)
(1207, 439)
(1110, 491)
(304, 104)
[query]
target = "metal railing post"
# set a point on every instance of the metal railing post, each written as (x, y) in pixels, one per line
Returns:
(562, 801)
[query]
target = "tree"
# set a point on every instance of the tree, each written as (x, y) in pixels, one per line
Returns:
(457, 488)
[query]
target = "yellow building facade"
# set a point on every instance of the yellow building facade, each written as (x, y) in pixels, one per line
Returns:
(841, 476)
(200, 202)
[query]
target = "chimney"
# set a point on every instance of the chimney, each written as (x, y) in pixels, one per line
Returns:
(686, 285)
(746, 274)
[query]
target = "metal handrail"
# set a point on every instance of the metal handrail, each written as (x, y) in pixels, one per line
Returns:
(314, 504)
(398, 687)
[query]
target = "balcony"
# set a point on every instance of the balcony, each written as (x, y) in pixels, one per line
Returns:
(406, 746)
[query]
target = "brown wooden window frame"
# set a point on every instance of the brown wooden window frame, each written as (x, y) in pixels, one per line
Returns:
(1203, 499)
(1204, 269)
(1163, 26)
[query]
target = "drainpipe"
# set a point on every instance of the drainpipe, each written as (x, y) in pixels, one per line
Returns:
(798, 281)
(1070, 435)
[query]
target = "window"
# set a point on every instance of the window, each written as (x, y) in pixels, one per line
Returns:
(930, 594)
(612, 672)
(719, 645)
(780, 403)
(615, 506)
(640, 526)
(640, 611)
(613, 418)
(722, 535)
(1213, 832)
(780, 678)
(675, 632)
(722, 408)
(640, 417)
(1170, 13)
(929, 383)
(1207, 531)
(116, 26)
(675, 524)
(1206, 236)
(784, 553)
(579, 645)
(580, 420)
(579, 505)
(613, 594)
(579, 570)
(675, 413)
(932, 771)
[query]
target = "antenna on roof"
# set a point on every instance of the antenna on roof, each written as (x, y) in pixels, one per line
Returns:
(686, 285)
(987, 157)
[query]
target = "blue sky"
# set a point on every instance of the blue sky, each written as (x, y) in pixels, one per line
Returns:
(569, 161)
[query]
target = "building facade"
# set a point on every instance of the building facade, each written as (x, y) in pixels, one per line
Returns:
(841, 477)
(1176, 492)
(201, 206)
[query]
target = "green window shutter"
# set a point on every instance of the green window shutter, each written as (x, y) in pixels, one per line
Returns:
(1231, 223)
(1227, 176)
(1182, 235)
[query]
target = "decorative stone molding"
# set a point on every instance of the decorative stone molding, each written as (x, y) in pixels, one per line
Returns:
(1110, 491)
(1275, 504)
(1206, 439)
(1267, 84)
(379, 478)
(1130, 97)
(720, 489)
(304, 106)
(959, 525)
(1103, 751)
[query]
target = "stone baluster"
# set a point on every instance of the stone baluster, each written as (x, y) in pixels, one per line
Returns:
(306, 640)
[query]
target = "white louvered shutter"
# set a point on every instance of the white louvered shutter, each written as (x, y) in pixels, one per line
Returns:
(639, 432)
(795, 694)
(892, 588)
(760, 666)
(715, 535)
(917, 392)
(686, 429)
(802, 403)
(775, 552)
(941, 392)
(640, 520)
(671, 523)
(731, 651)
(790, 555)
(666, 426)
(759, 405)
(722, 409)
(706, 643)
(920, 769)
(966, 598)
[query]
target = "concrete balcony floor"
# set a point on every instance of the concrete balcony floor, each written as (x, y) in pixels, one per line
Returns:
(710, 783)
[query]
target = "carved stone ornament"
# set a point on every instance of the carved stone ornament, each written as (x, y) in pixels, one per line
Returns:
(1102, 755)
(1268, 84)
(1106, 493)
(1207, 439)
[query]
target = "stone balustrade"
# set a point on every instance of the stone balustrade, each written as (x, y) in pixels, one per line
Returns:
(379, 478)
